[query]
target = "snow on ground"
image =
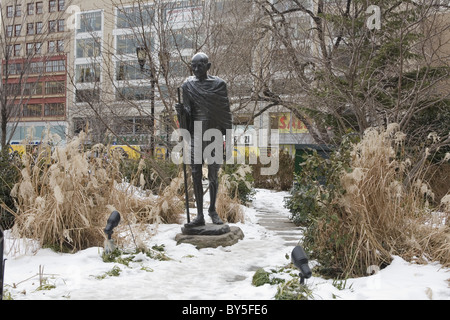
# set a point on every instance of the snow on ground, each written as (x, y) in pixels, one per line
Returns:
(223, 273)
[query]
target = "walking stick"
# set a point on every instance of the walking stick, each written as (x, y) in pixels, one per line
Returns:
(2, 263)
(182, 118)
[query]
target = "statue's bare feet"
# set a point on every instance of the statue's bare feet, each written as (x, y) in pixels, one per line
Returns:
(197, 222)
(215, 217)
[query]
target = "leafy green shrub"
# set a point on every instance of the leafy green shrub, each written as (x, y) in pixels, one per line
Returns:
(9, 175)
(282, 180)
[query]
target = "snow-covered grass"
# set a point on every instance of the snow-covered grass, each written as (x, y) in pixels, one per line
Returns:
(223, 273)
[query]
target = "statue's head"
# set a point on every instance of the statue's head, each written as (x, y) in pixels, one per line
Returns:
(200, 65)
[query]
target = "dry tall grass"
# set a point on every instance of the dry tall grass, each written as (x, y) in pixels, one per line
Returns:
(380, 216)
(228, 206)
(64, 197)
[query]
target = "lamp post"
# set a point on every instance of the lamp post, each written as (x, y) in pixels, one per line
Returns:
(141, 53)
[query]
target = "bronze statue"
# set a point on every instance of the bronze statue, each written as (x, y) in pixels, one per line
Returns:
(205, 102)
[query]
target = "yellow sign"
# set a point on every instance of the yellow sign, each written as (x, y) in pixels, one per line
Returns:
(288, 123)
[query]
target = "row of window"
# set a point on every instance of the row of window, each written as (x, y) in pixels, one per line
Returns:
(35, 8)
(44, 110)
(35, 28)
(33, 48)
(36, 88)
(35, 67)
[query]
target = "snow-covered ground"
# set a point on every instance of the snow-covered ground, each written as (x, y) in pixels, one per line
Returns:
(223, 273)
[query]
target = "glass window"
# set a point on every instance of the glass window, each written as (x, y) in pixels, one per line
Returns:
(87, 95)
(61, 5)
(30, 8)
(55, 66)
(134, 17)
(89, 72)
(39, 27)
(32, 110)
(55, 87)
(90, 21)
(88, 47)
(52, 6)
(129, 70)
(134, 93)
(9, 11)
(18, 10)
(52, 26)
(17, 29)
(30, 28)
(127, 43)
(9, 31)
(54, 109)
(39, 7)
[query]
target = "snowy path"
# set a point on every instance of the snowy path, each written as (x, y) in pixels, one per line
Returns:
(272, 217)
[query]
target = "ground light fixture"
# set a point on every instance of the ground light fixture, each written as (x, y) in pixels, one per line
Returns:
(111, 223)
(300, 260)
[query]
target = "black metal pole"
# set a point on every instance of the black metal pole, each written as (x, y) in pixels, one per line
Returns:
(182, 119)
(2, 264)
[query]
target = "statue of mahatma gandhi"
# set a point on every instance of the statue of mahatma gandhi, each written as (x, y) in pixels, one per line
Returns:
(205, 100)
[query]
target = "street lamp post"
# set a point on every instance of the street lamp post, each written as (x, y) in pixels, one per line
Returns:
(141, 53)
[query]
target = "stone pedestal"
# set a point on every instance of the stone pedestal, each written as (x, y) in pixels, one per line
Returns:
(210, 236)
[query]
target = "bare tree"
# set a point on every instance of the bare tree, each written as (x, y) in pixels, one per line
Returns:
(346, 76)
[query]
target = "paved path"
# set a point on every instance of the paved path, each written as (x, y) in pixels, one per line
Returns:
(274, 216)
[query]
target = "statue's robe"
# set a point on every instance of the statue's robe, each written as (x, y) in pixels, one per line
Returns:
(206, 101)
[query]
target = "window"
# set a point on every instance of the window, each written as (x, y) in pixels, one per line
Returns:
(30, 28)
(134, 17)
(30, 49)
(39, 7)
(37, 67)
(89, 72)
(17, 30)
(52, 26)
(17, 48)
(34, 48)
(39, 27)
(134, 93)
(18, 10)
(89, 47)
(30, 9)
(90, 21)
(54, 109)
(32, 89)
(60, 27)
(87, 95)
(126, 43)
(13, 68)
(51, 47)
(55, 66)
(59, 45)
(52, 6)
(55, 87)
(128, 70)
(38, 47)
(61, 5)
(32, 110)
(9, 31)
(9, 11)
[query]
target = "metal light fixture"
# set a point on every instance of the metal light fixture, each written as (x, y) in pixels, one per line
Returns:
(300, 260)
(112, 222)
(141, 55)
